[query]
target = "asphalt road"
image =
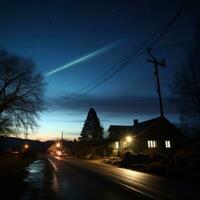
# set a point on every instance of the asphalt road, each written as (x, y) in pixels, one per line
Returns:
(78, 179)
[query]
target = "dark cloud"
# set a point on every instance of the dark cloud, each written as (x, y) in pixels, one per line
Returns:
(112, 106)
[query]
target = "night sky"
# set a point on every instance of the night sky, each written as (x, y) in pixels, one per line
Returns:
(55, 33)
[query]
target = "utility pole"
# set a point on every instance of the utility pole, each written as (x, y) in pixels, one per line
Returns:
(156, 64)
(26, 133)
(62, 136)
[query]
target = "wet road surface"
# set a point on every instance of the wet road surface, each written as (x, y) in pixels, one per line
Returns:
(35, 180)
(78, 179)
(55, 178)
(72, 182)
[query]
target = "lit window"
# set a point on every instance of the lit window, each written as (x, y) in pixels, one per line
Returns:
(151, 143)
(167, 144)
(117, 145)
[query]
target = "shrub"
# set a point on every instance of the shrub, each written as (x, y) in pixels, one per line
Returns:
(143, 158)
(127, 160)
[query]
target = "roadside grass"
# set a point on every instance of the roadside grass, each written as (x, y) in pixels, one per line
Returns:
(12, 173)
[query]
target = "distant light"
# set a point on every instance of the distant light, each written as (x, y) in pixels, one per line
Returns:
(59, 153)
(58, 144)
(26, 146)
(57, 157)
(117, 145)
(15, 152)
(129, 138)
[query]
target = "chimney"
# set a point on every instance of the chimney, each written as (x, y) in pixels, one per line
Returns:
(135, 122)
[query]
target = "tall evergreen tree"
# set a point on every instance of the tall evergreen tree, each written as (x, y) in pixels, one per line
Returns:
(92, 130)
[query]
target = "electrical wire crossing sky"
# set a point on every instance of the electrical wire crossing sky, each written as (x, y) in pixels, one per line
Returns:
(86, 57)
(119, 31)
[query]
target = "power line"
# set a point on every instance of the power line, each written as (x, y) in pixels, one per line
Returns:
(70, 97)
(98, 78)
(170, 23)
(141, 46)
(162, 33)
(161, 63)
(113, 73)
(156, 48)
(141, 49)
(177, 45)
(105, 73)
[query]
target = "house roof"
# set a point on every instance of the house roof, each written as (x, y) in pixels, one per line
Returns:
(153, 128)
(119, 131)
(142, 126)
(120, 128)
(161, 128)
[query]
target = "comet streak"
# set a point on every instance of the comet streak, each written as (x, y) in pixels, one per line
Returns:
(86, 57)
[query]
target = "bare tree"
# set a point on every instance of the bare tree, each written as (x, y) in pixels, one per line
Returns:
(186, 86)
(21, 93)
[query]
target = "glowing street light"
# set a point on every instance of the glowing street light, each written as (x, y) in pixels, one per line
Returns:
(58, 144)
(129, 139)
(26, 146)
(59, 153)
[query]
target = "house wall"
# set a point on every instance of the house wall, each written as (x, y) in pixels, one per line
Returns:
(160, 132)
(140, 145)
(123, 147)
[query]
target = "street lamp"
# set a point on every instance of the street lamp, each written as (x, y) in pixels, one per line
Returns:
(58, 153)
(26, 146)
(129, 139)
(58, 144)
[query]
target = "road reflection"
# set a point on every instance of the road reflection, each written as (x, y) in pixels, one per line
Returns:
(34, 180)
(55, 185)
(35, 174)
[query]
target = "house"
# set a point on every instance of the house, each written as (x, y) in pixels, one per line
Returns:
(156, 135)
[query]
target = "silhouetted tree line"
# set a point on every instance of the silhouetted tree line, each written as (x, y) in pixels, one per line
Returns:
(21, 93)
